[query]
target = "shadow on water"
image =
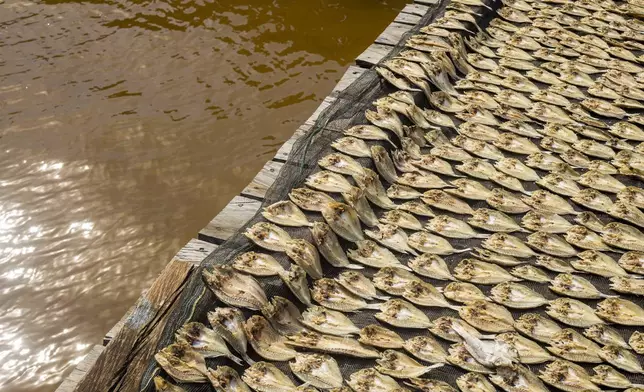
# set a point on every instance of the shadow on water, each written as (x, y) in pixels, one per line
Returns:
(124, 128)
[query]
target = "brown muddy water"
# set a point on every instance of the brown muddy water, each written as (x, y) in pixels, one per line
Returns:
(125, 126)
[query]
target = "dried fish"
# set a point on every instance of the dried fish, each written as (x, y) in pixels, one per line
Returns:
(593, 199)
(507, 244)
(403, 192)
(537, 327)
(352, 146)
(477, 168)
(605, 335)
(543, 161)
(372, 255)
(607, 376)
(516, 144)
(233, 288)
(469, 189)
(258, 264)
(567, 376)
(528, 352)
(182, 363)
(481, 272)
(559, 184)
(627, 285)
(545, 222)
(461, 357)
(478, 115)
(417, 207)
(328, 181)
(572, 312)
(627, 212)
(402, 314)
(318, 370)
(434, 164)
(597, 263)
(340, 163)
(393, 280)
(328, 321)
(431, 266)
(332, 295)
(331, 344)
(636, 342)
(573, 346)
(627, 130)
(508, 182)
(463, 292)
(204, 341)
(228, 323)
(424, 294)
(266, 377)
(370, 380)
(493, 220)
(386, 118)
(266, 341)
(506, 202)
(329, 246)
(474, 382)
(496, 258)
(451, 153)
(487, 316)
(443, 328)
(633, 262)
(429, 243)
(305, 255)
(585, 238)
(400, 365)
(309, 200)
(620, 311)
(575, 286)
(295, 280)
(516, 296)
(392, 237)
(452, 228)
(283, 315)
(621, 358)
(516, 168)
(549, 202)
(520, 84)
(377, 336)
(517, 378)
(161, 385)
(398, 82)
(444, 201)
(268, 236)
(567, 90)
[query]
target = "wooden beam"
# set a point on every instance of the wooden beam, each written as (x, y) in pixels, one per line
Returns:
(263, 180)
(230, 219)
(352, 73)
(69, 384)
(415, 9)
(393, 34)
(193, 252)
(373, 54)
(121, 365)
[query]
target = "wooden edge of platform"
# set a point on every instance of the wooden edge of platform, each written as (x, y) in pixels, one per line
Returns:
(132, 341)
(121, 364)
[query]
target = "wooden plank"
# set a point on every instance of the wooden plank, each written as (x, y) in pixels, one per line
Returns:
(263, 180)
(80, 370)
(373, 54)
(285, 150)
(230, 219)
(121, 365)
(408, 19)
(393, 34)
(193, 252)
(426, 2)
(415, 9)
(349, 77)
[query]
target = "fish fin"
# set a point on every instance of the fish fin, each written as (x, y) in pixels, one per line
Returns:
(462, 250)
(353, 266)
(382, 297)
(482, 235)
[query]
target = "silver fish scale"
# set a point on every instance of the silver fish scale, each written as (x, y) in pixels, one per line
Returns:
(349, 111)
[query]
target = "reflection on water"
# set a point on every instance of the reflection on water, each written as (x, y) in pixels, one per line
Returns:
(124, 127)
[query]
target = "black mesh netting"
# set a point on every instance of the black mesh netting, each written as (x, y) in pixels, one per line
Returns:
(347, 110)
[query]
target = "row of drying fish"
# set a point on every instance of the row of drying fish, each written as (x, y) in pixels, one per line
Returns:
(434, 57)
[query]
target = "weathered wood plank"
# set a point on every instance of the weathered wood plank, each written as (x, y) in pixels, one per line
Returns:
(408, 19)
(393, 34)
(230, 219)
(373, 54)
(426, 2)
(263, 180)
(285, 150)
(120, 365)
(80, 370)
(349, 77)
(193, 252)
(415, 9)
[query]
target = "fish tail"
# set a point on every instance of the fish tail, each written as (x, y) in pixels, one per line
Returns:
(374, 306)
(608, 296)
(353, 266)
(382, 297)
(462, 250)
(454, 307)
(235, 359)
(482, 236)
